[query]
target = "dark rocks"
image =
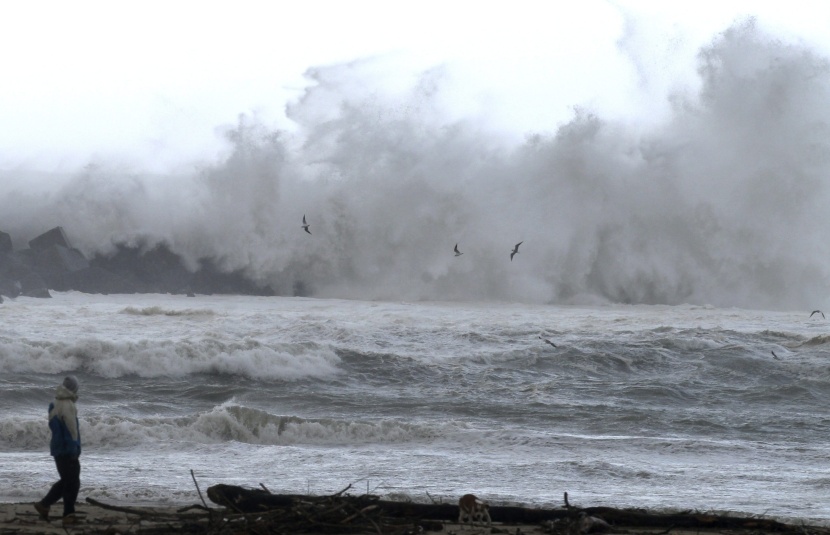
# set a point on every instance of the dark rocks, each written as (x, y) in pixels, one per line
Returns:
(159, 270)
(209, 279)
(56, 236)
(56, 263)
(37, 291)
(5, 243)
(51, 262)
(17, 277)
(97, 280)
(147, 270)
(10, 288)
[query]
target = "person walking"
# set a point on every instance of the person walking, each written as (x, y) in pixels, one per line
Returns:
(65, 447)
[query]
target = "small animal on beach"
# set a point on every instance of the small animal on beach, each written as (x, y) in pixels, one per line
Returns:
(817, 312)
(473, 510)
(515, 250)
(592, 524)
(305, 225)
(457, 252)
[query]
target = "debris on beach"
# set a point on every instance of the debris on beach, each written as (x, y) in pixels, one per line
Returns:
(241, 511)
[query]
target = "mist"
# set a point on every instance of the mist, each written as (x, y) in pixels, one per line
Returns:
(718, 200)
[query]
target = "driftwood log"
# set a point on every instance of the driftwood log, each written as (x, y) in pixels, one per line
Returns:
(245, 511)
(243, 500)
(263, 512)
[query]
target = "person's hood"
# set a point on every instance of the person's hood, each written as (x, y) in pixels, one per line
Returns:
(64, 393)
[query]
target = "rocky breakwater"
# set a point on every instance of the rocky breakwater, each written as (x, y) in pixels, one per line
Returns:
(51, 263)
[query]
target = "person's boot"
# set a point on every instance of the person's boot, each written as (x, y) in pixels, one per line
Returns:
(42, 510)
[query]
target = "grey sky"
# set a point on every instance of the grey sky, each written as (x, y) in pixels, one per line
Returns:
(148, 83)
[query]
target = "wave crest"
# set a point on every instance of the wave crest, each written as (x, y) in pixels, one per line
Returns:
(159, 311)
(171, 358)
(224, 423)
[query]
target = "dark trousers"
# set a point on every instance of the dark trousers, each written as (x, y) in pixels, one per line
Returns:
(67, 487)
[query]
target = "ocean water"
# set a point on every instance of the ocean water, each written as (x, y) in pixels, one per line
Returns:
(665, 407)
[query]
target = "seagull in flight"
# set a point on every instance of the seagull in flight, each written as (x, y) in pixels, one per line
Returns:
(457, 252)
(547, 341)
(305, 225)
(515, 250)
(817, 312)
(774, 355)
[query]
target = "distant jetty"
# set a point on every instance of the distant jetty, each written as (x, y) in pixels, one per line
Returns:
(52, 263)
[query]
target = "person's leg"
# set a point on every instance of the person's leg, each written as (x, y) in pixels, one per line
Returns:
(70, 471)
(56, 492)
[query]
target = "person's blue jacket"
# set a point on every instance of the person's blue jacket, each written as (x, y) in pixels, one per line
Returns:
(63, 422)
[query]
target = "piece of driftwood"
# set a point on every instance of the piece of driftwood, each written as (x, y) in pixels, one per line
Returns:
(255, 500)
(149, 512)
(259, 511)
(685, 520)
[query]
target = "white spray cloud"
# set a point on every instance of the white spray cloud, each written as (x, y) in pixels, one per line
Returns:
(720, 203)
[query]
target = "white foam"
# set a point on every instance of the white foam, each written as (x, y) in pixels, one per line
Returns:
(150, 358)
(225, 423)
(721, 202)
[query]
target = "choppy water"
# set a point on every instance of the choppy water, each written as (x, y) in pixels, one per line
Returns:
(662, 407)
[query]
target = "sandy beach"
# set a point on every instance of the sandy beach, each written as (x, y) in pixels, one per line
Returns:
(97, 518)
(23, 519)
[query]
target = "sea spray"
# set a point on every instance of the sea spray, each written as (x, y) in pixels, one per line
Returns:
(720, 202)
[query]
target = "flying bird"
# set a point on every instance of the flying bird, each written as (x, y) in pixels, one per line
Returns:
(305, 225)
(817, 312)
(515, 250)
(547, 341)
(774, 355)
(457, 252)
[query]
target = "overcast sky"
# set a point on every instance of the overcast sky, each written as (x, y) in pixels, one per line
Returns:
(149, 83)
